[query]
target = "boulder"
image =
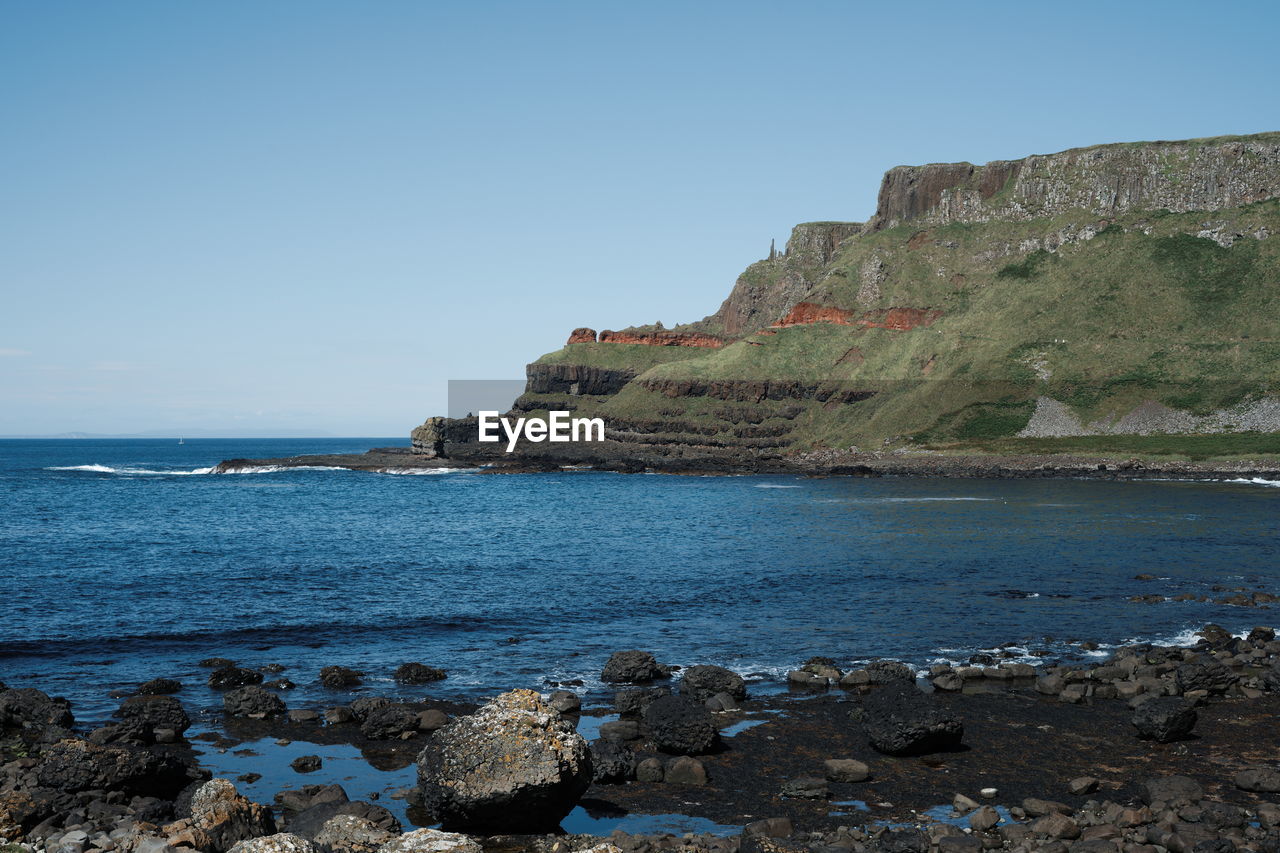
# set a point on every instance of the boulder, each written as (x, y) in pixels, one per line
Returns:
(633, 667)
(228, 677)
(280, 843)
(685, 770)
(431, 841)
(389, 721)
(680, 725)
(72, 765)
(889, 672)
(900, 720)
(984, 819)
(630, 704)
(1165, 718)
(252, 701)
(700, 683)
(306, 763)
(565, 701)
(310, 821)
(366, 705)
(226, 817)
(417, 673)
(352, 834)
(432, 719)
(1206, 674)
(650, 770)
(26, 706)
(513, 766)
(159, 687)
(152, 712)
(300, 799)
(612, 762)
(18, 812)
(339, 677)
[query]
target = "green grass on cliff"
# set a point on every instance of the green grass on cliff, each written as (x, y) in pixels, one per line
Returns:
(637, 357)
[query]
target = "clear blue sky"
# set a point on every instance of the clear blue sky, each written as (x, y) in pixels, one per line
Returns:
(284, 216)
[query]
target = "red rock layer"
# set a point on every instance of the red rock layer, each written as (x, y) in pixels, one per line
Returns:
(582, 335)
(662, 339)
(898, 319)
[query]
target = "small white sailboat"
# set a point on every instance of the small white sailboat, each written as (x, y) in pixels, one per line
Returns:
(180, 441)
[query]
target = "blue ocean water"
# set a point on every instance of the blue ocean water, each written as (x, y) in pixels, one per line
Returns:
(119, 563)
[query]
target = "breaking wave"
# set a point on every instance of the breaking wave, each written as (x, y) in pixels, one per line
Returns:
(107, 469)
(409, 472)
(1257, 481)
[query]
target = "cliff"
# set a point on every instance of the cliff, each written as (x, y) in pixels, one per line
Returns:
(1124, 289)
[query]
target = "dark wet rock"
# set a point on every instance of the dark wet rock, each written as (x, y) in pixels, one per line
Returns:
(159, 687)
(805, 788)
(280, 684)
(74, 765)
(900, 720)
(27, 706)
(685, 770)
(154, 713)
(620, 730)
(565, 701)
(1261, 635)
(389, 721)
(366, 705)
(220, 812)
(338, 715)
(310, 821)
(1165, 718)
(680, 725)
(306, 764)
(515, 765)
(889, 672)
(1204, 674)
(722, 702)
(1221, 816)
(339, 677)
(633, 667)
(773, 827)
(612, 761)
(700, 683)
(1262, 780)
(907, 840)
(253, 701)
(1036, 807)
(301, 799)
(432, 719)
(304, 715)
(846, 770)
(216, 663)
(1171, 790)
(228, 677)
(418, 673)
(630, 704)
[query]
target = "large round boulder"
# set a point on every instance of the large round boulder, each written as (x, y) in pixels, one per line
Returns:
(154, 712)
(900, 720)
(220, 812)
(700, 683)
(27, 706)
(1165, 718)
(252, 701)
(680, 726)
(514, 766)
(633, 667)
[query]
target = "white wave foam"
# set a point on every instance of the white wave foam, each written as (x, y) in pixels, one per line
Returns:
(411, 472)
(275, 469)
(107, 469)
(1256, 481)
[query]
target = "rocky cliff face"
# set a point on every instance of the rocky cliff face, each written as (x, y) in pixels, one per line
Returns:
(1103, 181)
(1112, 282)
(764, 293)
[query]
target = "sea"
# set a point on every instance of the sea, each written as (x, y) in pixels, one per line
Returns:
(126, 560)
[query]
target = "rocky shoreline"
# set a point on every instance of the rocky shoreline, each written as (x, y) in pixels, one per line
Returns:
(815, 464)
(1147, 750)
